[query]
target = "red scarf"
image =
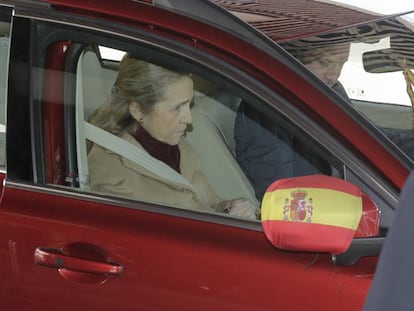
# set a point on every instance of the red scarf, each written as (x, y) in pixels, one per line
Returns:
(166, 153)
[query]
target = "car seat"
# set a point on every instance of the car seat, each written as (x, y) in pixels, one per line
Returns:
(93, 87)
(212, 138)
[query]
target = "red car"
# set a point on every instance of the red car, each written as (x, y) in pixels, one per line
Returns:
(66, 246)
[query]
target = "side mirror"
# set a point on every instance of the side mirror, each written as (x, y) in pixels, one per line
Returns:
(317, 213)
(387, 60)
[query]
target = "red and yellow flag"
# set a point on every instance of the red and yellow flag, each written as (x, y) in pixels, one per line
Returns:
(312, 213)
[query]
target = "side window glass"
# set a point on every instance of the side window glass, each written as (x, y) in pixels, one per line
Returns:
(182, 137)
(241, 123)
(371, 67)
(4, 55)
(269, 148)
(148, 132)
(228, 135)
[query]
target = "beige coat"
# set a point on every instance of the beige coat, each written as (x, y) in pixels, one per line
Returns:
(113, 174)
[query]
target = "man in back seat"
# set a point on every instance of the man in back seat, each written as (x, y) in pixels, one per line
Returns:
(267, 151)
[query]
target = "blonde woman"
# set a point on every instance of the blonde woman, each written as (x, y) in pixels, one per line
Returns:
(150, 109)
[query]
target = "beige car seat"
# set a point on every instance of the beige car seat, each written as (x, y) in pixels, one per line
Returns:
(212, 138)
(93, 87)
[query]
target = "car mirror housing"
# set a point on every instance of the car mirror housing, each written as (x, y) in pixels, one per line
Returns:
(317, 213)
(387, 60)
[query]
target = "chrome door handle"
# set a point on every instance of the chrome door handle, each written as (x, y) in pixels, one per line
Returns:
(54, 258)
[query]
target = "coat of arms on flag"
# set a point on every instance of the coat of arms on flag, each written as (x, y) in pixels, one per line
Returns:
(298, 208)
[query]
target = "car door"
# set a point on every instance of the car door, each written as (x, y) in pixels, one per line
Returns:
(65, 246)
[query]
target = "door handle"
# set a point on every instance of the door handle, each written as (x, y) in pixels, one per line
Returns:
(54, 258)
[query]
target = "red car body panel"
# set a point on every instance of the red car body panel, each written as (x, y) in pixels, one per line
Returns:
(166, 259)
(53, 114)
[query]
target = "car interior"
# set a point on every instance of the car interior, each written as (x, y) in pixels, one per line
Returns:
(211, 137)
(89, 78)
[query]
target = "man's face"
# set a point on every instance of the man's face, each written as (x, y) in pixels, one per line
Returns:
(328, 64)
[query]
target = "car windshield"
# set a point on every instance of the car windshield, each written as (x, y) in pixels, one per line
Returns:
(372, 67)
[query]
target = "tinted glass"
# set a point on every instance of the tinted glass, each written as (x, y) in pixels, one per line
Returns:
(371, 66)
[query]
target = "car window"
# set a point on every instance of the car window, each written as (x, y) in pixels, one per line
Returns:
(221, 119)
(210, 136)
(104, 157)
(4, 55)
(371, 66)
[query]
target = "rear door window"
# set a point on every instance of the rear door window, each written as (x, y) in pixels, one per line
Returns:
(372, 68)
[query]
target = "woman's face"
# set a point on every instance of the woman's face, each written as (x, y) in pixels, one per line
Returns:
(168, 120)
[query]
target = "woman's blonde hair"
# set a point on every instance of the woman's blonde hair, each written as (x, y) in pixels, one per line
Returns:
(137, 82)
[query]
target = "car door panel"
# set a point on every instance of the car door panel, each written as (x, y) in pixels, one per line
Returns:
(167, 261)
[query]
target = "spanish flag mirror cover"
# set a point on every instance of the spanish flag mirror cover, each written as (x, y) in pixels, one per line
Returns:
(316, 213)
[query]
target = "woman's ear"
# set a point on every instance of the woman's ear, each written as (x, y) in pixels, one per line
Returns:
(135, 111)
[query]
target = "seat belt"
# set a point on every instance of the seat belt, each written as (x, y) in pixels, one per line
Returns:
(138, 156)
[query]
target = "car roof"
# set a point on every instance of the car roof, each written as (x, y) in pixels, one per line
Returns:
(260, 22)
(283, 20)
